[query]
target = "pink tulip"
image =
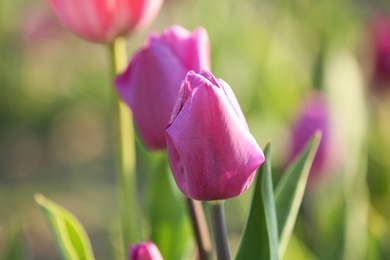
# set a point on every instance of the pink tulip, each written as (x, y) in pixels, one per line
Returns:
(144, 251)
(212, 154)
(315, 115)
(104, 20)
(152, 80)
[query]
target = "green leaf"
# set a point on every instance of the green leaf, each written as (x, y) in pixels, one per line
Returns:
(269, 205)
(260, 237)
(170, 226)
(71, 238)
(290, 189)
(15, 248)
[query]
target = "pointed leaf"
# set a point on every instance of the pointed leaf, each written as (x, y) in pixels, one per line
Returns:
(290, 189)
(260, 237)
(269, 206)
(71, 238)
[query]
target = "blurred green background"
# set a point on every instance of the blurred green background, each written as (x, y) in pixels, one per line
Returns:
(56, 134)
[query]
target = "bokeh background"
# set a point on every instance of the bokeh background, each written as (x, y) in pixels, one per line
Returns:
(57, 137)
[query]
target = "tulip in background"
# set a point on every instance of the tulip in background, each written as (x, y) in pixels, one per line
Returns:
(379, 34)
(104, 20)
(39, 27)
(212, 154)
(153, 77)
(144, 251)
(315, 115)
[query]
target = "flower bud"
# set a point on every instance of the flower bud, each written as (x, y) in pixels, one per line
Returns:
(153, 77)
(212, 154)
(144, 251)
(103, 20)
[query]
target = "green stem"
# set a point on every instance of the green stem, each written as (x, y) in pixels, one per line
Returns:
(200, 228)
(219, 229)
(125, 153)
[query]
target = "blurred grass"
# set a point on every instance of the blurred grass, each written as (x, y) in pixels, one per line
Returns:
(55, 108)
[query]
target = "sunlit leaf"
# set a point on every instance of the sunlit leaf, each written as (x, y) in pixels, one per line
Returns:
(70, 236)
(260, 237)
(290, 189)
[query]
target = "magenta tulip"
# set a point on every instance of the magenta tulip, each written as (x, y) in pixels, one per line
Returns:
(212, 154)
(379, 35)
(144, 251)
(153, 77)
(103, 20)
(315, 115)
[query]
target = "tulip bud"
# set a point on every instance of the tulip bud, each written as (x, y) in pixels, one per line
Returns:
(212, 154)
(315, 115)
(144, 251)
(153, 77)
(103, 20)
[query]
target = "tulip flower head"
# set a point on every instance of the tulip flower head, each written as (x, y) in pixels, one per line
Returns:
(379, 33)
(144, 251)
(104, 20)
(315, 115)
(152, 80)
(212, 154)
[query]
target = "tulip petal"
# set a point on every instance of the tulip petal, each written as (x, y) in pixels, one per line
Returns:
(192, 48)
(228, 92)
(89, 20)
(105, 20)
(149, 78)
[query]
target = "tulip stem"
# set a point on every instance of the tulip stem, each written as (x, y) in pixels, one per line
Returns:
(200, 228)
(125, 155)
(219, 229)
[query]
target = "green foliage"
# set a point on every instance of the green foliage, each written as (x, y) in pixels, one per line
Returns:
(260, 237)
(71, 238)
(290, 189)
(269, 217)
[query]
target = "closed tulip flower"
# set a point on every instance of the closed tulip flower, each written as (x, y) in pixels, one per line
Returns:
(212, 154)
(104, 20)
(153, 77)
(145, 251)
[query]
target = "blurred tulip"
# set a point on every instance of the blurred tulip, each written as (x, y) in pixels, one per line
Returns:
(315, 115)
(144, 251)
(379, 32)
(39, 26)
(103, 20)
(152, 80)
(212, 154)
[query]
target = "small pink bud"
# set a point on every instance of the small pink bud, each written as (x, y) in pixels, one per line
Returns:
(153, 77)
(144, 251)
(104, 20)
(212, 154)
